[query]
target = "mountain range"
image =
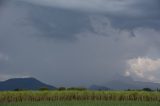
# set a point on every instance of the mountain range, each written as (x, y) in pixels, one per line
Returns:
(120, 83)
(23, 83)
(125, 83)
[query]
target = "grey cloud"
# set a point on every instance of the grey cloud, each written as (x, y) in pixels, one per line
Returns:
(130, 8)
(94, 57)
(58, 23)
(52, 19)
(1, 2)
(148, 8)
(124, 23)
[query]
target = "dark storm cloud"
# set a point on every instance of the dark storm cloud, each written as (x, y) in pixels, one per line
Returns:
(58, 23)
(149, 16)
(24, 27)
(64, 22)
(1, 2)
(123, 23)
(148, 8)
(127, 8)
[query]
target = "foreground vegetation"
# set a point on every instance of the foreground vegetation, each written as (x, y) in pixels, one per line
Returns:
(36, 96)
(84, 103)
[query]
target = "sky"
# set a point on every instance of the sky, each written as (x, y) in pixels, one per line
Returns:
(80, 42)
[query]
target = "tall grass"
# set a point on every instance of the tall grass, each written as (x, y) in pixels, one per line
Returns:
(83, 103)
(34, 96)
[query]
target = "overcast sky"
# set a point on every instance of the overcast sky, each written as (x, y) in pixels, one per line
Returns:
(80, 42)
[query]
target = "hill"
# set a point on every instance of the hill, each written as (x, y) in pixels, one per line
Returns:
(23, 83)
(124, 83)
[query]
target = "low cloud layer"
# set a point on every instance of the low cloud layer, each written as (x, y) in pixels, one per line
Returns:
(143, 68)
(4, 77)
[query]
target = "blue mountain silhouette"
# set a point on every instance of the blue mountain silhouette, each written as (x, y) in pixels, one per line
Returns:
(23, 83)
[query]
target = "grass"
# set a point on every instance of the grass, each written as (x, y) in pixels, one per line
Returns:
(36, 96)
(84, 103)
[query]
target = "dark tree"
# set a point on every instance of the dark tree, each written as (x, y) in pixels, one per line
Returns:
(44, 89)
(147, 89)
(61, 88)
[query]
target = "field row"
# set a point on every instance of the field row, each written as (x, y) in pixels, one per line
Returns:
(84, 103)
(34, 96)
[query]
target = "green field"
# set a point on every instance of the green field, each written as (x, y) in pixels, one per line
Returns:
(79, 98)
(83, 103)
(34, 96)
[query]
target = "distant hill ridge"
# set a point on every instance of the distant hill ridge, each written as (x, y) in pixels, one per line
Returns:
(125, 83)
(119, 83)
(23, 83)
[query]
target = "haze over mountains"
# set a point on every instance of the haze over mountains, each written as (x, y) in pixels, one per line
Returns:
(123, 83)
